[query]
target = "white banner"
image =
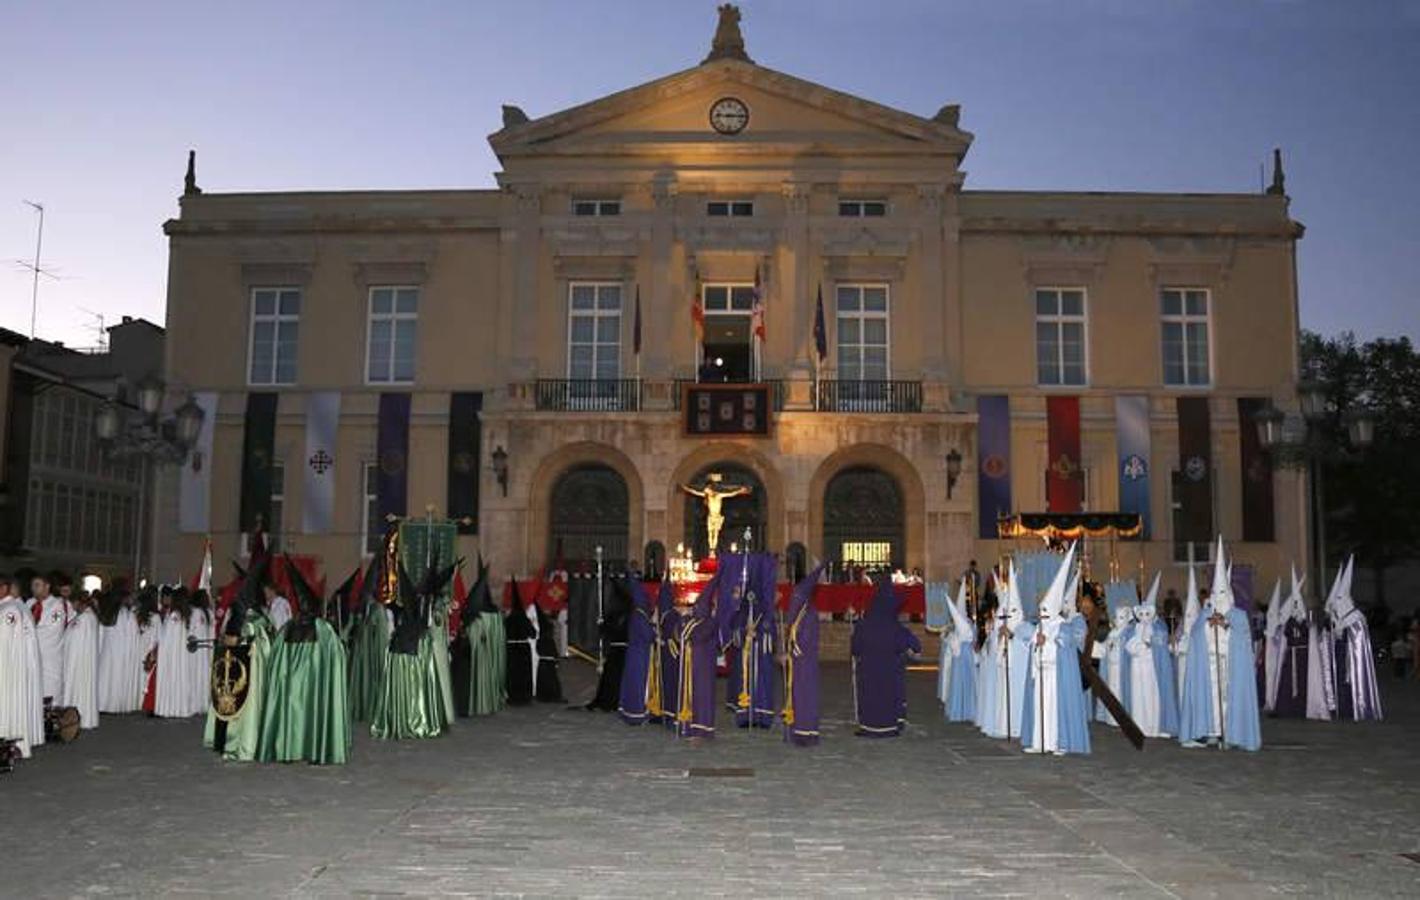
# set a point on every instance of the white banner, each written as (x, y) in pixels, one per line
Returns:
(195, 483)
(322, 424)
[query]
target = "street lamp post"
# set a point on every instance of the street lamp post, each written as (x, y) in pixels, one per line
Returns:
(1313, 449)
(140, 433)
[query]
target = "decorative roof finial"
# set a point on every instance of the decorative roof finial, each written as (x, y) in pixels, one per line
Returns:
(728, 42)
(1279, 180)
(189, 181)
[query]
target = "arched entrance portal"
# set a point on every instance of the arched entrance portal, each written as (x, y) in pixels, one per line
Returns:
(589, 507)
(863, 521)
(746, 511)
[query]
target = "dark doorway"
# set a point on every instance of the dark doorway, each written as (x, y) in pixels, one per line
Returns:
(590, 507)
(726, 352)
(863, 521)
(749, 511)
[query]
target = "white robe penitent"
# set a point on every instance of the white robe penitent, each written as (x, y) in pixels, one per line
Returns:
(21, 703)
(148, 634)
(1045, 695)
(49, 631)
(120, 664)
(81, 667)
(199, 626)
(174, 696)
(1144, 687)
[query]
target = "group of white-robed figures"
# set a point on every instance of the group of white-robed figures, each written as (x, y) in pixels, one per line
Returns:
(55, 652)
(1318, 664)
(1202, 687)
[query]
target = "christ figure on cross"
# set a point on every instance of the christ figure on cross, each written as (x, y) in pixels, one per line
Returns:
(714, 496)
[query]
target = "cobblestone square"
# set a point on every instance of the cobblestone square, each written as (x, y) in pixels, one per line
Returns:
(557, 801)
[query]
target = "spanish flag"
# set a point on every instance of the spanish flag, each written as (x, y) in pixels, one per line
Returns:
(697, 313)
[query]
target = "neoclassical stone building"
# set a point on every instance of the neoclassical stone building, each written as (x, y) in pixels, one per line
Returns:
(732, 270)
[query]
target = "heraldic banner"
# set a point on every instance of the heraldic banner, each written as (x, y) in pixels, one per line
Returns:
(425, 542)
(1065, 476)
(392, 451)
(993, 461)
(1131, 413)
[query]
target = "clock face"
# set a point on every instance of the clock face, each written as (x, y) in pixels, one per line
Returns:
(729, 115)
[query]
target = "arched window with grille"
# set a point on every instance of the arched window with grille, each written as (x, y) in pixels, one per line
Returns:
(863, 519)
(590, 508)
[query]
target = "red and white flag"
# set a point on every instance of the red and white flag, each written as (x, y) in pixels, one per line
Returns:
(757, 310)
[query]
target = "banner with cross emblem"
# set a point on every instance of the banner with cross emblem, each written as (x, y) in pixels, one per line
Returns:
(322, 426)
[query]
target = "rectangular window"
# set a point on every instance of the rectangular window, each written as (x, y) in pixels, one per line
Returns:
(594, 332)
(1060, 336)
(596, 207)
(275, 328)
(862, 332)
(861, 209)
(1185, 330)
(394, 319)
(725, 298)
(272, 532)
(371, 528)
(732, 208)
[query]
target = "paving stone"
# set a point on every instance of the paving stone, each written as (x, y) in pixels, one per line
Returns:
(551, 800)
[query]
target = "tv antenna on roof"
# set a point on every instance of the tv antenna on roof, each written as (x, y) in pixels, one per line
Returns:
(97, 327)
(34, 266)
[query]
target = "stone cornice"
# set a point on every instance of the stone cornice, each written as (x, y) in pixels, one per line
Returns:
(1280, 231)
(328, 225)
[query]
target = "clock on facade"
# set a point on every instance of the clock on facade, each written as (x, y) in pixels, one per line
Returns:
(729, 115)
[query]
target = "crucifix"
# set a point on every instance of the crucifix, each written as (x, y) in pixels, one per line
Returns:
(714, 496)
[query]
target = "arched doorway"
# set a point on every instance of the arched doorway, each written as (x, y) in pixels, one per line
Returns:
(863, 519)
(746, 511)
(589, 507)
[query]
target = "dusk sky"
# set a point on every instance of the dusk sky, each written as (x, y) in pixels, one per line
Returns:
(101, 102)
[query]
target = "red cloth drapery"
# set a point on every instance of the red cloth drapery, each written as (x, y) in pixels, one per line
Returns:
(829, 598)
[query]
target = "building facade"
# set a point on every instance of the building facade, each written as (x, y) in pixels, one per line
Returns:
(67, 503)
(730, 270)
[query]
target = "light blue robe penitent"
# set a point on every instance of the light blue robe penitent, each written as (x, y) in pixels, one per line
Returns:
(1071, 706)
(1164, 678)
(1243, 725)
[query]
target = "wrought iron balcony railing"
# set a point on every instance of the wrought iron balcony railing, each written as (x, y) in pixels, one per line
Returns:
(589, 394)
(869, 396)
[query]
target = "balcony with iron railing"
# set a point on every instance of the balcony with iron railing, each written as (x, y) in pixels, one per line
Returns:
(868, 396)
(588, 394)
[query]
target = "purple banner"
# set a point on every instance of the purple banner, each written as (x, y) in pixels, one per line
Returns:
(392, 456)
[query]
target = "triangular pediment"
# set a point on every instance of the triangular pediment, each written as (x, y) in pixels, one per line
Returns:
(786, 115)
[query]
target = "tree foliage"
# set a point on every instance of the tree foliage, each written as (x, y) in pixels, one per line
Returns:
(1373, 495)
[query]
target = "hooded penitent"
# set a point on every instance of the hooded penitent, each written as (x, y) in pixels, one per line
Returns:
(1053, 717)
(1220, 686)
(880, 646)
(960, 642)
(520, 631)
(640, 678)
(415, 700)
(801, 674)
(1151, 698)
(488, 649)
(305, 714)
(1358, 696)
(369, 644)
(699, 643)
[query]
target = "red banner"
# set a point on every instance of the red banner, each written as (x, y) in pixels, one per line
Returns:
(1065, 476)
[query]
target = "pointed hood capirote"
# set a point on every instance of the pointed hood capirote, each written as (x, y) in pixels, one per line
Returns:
(1221, 594)
(1052, 605)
